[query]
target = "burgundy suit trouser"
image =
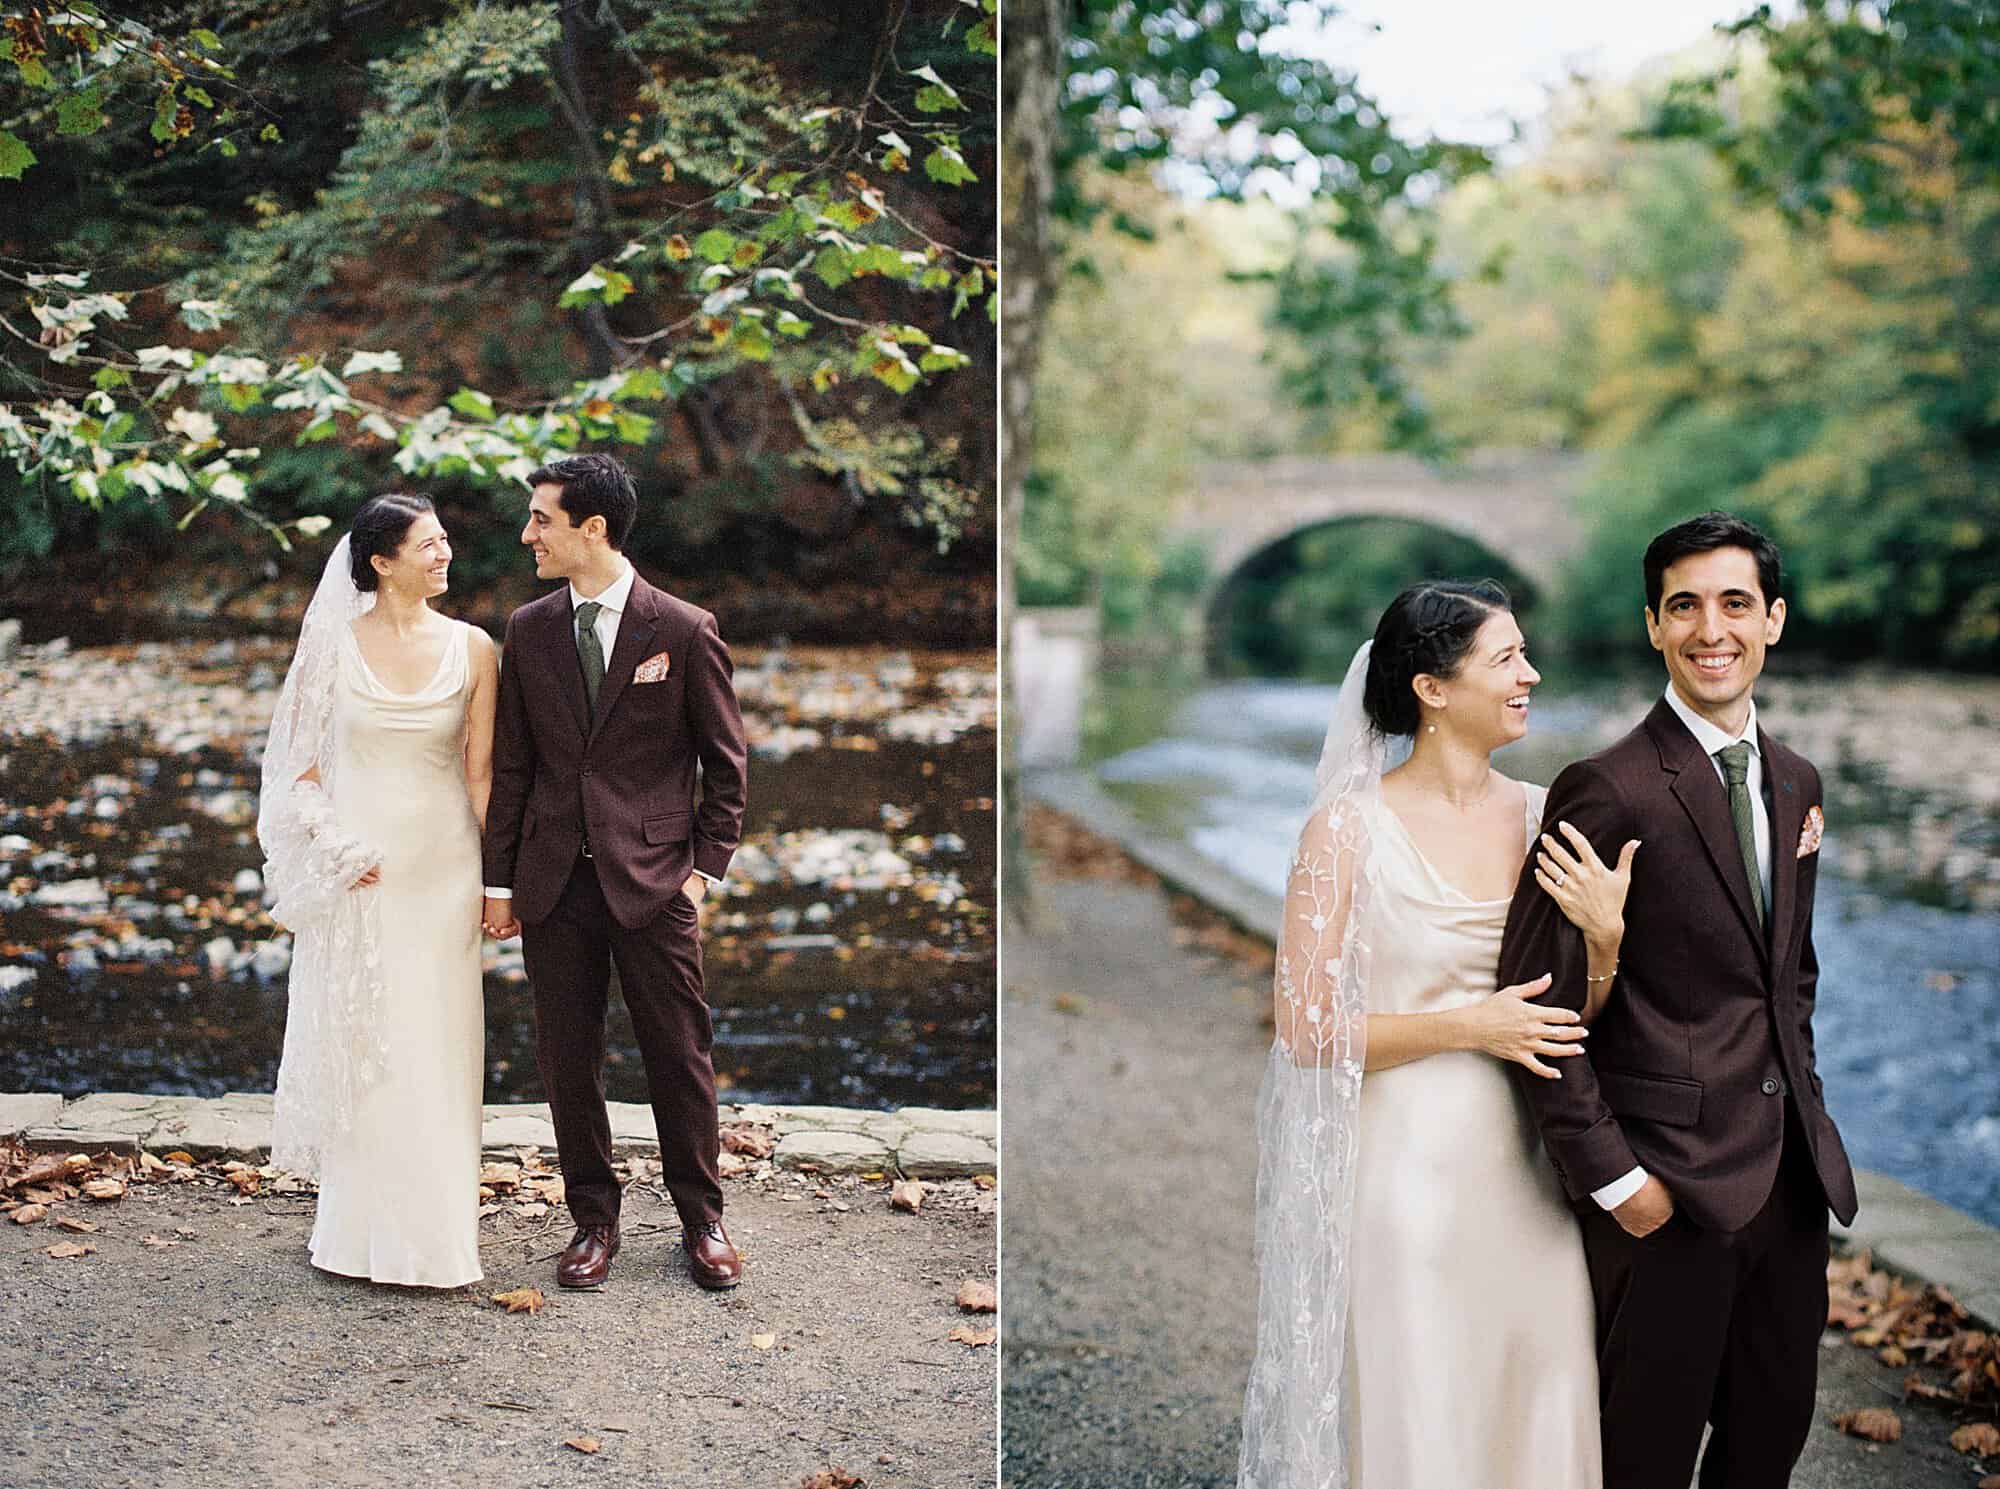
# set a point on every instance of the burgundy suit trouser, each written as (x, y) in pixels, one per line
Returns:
(1702, 1327)
(569, 957)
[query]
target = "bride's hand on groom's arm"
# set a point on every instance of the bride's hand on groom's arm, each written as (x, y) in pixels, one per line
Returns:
(371, 877)
(1590, 896)
(1508, 1026)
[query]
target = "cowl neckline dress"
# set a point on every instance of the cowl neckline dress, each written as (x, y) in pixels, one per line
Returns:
(398, 1191)
(1471, 1353)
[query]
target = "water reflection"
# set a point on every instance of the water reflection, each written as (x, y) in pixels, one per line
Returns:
(1907, 924)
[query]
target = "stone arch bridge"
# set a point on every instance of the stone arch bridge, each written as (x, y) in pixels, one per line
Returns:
(1516, 504)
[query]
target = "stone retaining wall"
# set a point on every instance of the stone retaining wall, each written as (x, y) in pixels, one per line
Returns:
(918, 1142)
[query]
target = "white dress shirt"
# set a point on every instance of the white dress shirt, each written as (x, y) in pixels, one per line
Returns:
(1712, 739)
(612, 600)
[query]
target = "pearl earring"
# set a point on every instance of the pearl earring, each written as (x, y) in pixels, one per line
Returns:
(1430, 728)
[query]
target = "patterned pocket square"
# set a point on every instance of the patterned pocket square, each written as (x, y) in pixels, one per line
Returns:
(654, 669)
(1811, 833)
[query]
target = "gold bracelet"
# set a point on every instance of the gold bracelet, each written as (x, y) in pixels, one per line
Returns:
(1606, 977)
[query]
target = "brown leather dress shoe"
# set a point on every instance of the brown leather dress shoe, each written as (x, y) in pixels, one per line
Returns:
(711, 1258)
(586, 1261)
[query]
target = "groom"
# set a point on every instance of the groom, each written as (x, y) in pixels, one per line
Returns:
(1692, 1136)
(612, 694)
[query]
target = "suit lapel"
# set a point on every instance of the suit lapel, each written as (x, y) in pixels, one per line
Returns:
(635, 634)
(1702, 795)
(564, 662)
(1788, 817)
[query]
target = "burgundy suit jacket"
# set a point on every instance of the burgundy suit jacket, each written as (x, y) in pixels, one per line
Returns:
(1708, 1032)
(629, 775)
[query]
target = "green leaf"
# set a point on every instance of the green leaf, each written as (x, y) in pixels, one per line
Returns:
(792, 325)
(982, 40)
(80, 113)
(617, 285)
(944, 359)
(200, 96)
(751, 340)
(208, 39)
(946, 166)
(108, 378)
(269, 134)
(782, 183)
(880, 258)
(910, 335)
(15, 157)
(645, 383)
(633, 429)
(715, 245)
(472, 403)
(226, 146)
(34, 73)
(834, 266)
(165, 112)
(936, 277)
(316, 431)
(240, 396)
(938, 95)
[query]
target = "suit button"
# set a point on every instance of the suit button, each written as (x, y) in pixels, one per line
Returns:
(586, 770)
(1770, 1087)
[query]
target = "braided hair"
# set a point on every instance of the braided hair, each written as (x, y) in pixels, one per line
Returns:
(1429, 627)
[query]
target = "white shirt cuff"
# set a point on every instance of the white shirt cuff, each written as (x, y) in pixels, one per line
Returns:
(1614, 1194)
(498, 894)
(706, 878)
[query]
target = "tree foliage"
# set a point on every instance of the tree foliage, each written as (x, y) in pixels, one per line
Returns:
(696, 213)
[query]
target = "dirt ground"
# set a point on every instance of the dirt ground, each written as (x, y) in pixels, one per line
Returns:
(224, 1359)
(1133, 1052)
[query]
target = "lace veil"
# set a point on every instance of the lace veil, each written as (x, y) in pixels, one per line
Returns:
(333, 1041)
(1308, 1120)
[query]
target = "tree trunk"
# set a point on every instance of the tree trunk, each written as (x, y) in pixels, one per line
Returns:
(592, 197)
(1030, 89)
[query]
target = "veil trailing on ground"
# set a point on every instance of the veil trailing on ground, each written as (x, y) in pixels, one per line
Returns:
(332, 1026)
(1308, 1120)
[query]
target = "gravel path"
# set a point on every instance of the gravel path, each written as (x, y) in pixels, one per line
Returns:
(1129, 1092)
(224, 1358)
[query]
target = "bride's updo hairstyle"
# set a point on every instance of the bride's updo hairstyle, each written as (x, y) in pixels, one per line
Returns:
(380, 527)
(1427, 628)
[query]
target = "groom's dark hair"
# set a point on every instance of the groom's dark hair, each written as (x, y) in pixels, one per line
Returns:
(593, 486)
(1705, 534)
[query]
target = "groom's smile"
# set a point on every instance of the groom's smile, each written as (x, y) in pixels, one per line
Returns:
(1712, 629)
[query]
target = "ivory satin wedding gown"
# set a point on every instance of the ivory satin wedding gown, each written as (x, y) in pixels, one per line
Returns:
(1471, 1356)
(398, 1190)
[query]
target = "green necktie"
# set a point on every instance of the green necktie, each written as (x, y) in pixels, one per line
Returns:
(590, 650)
(1736, 774)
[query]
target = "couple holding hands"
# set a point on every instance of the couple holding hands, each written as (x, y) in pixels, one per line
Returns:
(416, 791)
(1545, 1162)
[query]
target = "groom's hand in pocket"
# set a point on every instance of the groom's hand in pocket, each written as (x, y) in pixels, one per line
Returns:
(1647, 1210)
(696, 889)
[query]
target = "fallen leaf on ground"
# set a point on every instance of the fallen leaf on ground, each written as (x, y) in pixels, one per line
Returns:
(583, 1444)
(907, 1195)
(42, 1170)
(831, 1478)
(65, 1250)
(975, 1296)
(731, 1165)
(522, 1300)
(1875, 1423)
(985, 1181)
(533, 1210)
(149, 1164)
(748, 1141)
(29, 1214)
(104, 1189)
(73, 1223)
(1981, 1439)
(967, 1335)
(179, 1155)
(763, 1341)
(247, 1180)
(500, 1175)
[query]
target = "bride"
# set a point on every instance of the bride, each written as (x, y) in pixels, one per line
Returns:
(375, 780)
(1424, 1315)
